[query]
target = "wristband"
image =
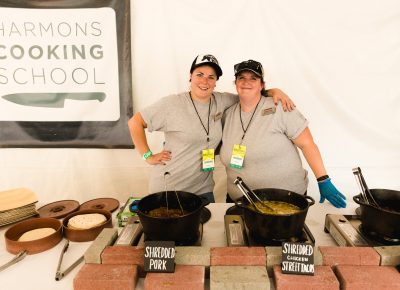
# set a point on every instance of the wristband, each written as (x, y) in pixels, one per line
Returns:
(322, 178)
(147, 154)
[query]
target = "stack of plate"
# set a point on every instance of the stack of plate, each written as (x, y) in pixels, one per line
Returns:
(16, 205)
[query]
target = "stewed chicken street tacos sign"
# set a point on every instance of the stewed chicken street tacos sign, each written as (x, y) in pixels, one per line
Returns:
(58, 65)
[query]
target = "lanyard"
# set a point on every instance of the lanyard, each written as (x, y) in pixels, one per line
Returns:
(208, 118)
(251, 118)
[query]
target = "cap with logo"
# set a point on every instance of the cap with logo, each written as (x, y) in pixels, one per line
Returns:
(250, 65)
(206, 59)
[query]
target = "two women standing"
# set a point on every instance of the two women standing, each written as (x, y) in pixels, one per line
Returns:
(192, 126)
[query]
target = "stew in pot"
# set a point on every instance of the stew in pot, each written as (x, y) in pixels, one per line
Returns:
(275, 207)
(164, 212)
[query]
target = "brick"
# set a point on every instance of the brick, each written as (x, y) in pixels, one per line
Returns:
(368, 277)
(274, 257)
(238, 256)
(184, 278)
(192, 256)
(125, 255)
(239, 277)
(332, 256)
(323, 279)
(390, 255)
(106, 277)
(106, 238)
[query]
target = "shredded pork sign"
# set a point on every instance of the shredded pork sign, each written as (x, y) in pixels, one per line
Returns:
(159, 256)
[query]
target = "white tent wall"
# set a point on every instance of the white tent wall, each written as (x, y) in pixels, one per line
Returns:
(338, 60)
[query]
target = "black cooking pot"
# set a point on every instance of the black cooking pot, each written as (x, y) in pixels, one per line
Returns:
(384, 220)
(276, 227)
(179, 229)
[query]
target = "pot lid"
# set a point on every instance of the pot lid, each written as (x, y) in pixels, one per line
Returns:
(58, 209)
(109, 204)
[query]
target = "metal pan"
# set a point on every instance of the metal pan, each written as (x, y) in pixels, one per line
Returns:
(171, 228)
(383, 220)
(276, 226)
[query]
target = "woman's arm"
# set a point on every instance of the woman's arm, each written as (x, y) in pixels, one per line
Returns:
(136, 127)
(279, 95)
(311, 153)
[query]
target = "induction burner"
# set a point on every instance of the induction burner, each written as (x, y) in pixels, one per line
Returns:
(347, 230)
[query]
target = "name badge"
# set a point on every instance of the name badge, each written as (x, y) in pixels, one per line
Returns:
(217, 116)
(238, 153)
(268, 111)
(208, 159)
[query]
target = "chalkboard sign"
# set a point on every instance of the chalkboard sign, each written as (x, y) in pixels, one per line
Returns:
(159, 256)
(297, 258)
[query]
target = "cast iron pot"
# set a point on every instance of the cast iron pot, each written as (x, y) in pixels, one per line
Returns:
(385, 220)
(176, 229)
(276, 227)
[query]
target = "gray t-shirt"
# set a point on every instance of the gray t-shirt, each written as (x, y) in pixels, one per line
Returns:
(185, 137)
(271, 160)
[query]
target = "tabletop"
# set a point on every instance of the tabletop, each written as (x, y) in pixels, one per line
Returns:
(37, 272)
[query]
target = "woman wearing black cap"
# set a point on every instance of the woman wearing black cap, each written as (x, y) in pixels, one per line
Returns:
(191, 122)
(260, 142)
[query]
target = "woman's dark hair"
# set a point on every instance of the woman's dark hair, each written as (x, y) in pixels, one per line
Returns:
(264, 92)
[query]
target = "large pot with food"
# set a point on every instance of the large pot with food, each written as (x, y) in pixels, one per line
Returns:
(171, 215)
(383, 219)
(283, 216)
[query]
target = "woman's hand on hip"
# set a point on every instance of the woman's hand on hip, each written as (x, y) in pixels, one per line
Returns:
(159, 158)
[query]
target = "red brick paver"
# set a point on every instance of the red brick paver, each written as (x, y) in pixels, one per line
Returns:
(323, 279)
(332, 256)
(238, 256)
(368, 277)
(106, 277)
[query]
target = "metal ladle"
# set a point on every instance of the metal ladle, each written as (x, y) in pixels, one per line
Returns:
(246, 192)
(166, 194)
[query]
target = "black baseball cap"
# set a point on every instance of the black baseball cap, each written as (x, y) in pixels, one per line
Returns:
(206, 59)
(250, 65)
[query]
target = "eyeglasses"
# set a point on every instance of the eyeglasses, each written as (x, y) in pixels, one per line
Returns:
(251, 65)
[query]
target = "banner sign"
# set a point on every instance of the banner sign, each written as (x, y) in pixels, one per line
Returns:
(65, 74)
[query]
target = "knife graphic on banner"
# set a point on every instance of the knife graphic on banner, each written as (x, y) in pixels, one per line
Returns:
(52, 100)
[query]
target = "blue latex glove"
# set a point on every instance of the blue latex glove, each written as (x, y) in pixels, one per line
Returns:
(329, 191)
